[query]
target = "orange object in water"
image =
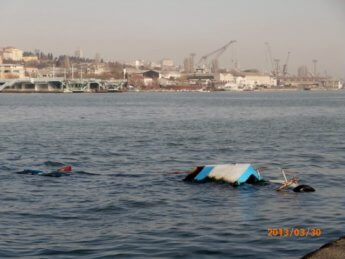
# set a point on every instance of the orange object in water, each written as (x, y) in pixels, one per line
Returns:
(64, 169)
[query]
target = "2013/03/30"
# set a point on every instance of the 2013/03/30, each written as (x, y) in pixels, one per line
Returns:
(294, 232)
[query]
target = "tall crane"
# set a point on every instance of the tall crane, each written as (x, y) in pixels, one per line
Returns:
(285, 66)
(218, 53)
(274, 63)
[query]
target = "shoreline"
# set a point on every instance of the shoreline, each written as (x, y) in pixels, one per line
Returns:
(181, 90)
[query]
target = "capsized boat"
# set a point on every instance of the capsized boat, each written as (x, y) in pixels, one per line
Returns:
(234, 174)
(240, 173)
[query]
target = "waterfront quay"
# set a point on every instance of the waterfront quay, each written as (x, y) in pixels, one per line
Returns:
(61, 85)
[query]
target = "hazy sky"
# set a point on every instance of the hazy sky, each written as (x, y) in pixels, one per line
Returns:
(153, 29)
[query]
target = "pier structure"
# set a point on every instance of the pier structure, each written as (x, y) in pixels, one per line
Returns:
(316, 82)
(61, 85)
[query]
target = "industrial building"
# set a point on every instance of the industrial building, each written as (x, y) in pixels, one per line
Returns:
(142, 78)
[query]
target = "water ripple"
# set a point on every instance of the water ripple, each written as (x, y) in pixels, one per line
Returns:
(130, 152)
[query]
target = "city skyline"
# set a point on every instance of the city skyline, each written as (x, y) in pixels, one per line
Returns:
(152, 30)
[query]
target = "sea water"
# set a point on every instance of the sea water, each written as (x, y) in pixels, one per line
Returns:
(128, 200)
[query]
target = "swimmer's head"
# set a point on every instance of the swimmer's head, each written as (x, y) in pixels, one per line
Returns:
(65, 169)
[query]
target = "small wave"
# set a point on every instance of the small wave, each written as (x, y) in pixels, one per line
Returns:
(209, 252)
(78, 252)
(127, 175)
(45, 216)
(14, 158)
(106, 208)
(5, 168)
(84, 172)
(52, 163)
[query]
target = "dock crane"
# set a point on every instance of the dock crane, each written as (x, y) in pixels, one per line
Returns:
(274, 63)
(285, 66)
(218, 53)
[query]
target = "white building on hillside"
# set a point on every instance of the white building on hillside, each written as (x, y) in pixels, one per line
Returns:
(8, 71)
(30, 58)
(138, 63)
(13, 54)
(79, 53)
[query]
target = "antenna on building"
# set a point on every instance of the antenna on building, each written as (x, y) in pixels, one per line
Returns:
(277, 68)
(315, 63)
(72, 72)
(191, 64)
(81, 73)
